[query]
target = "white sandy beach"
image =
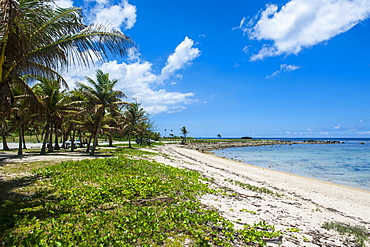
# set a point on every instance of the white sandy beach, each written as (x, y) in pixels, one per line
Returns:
(305, 205)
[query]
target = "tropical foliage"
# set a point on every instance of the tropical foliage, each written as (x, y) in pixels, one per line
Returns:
(38, 40)
(119, 202)
(98, 98)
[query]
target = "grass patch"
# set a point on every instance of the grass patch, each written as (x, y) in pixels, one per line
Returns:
(132, 152)
(252, 187)
(359, 233)
(116, 202)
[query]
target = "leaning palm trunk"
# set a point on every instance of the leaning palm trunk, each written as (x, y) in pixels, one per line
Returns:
(96, 134)
(5, 144)
(46, 130)
(89, 143)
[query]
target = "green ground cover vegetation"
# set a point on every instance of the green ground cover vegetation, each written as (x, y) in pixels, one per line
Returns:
(360, 234)
(122, 201)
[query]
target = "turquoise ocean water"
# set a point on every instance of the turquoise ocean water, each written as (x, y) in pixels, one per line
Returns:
(347, 163)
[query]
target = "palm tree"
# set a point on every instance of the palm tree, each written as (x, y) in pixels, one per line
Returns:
(38, 38)
(111, 126)
(133, 118)
(56, 104)
(5, 108)
(184, 132)
(21, 113)
(100, 97)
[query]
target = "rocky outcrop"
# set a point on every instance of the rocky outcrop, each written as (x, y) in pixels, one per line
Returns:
(209, 146)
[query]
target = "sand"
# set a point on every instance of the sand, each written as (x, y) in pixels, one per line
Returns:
(306, 204)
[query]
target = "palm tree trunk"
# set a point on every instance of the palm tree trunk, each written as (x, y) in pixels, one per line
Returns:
(89, 143)
(23, 138)
(65, 135)
(37, 137)
(46, 132)
(96, 134)
(20, 152)
(56, 145)
(80, 138)
(73, 141)
(50, 148)
(110, 140)
(129, 140)
(5, 144)
(3, 134)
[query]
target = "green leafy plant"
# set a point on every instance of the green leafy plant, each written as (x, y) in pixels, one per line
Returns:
(120, 202)
(252, 187)
(360, 233)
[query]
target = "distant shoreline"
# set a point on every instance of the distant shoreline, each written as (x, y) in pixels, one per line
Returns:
(209, 146)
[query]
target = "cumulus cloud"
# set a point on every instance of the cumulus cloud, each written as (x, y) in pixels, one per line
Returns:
(284, 68)
(182, 57)
(119, 16)
(64, 3)
(138, 80)
(301, 24)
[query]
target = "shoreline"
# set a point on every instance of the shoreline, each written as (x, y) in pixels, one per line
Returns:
(306, 203)
(292, 174)
(209, 146)
(295, 205)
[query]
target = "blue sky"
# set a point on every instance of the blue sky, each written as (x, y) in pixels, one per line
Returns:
(298, 68)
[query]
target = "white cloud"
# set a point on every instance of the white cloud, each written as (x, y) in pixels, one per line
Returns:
(120, 16)
(309, 129)
(336, 127)
(246, 49)
(183, 55)
(64, 3)
(301, 24)
(137, 80)
(284, 68)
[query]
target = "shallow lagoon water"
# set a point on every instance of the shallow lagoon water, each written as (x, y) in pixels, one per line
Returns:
(345, 164)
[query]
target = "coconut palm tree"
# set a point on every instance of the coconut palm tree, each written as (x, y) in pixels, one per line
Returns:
(36, 37)
(56, 103)
(21, 114)
(133, 118)
(184, 132)
(100, 97)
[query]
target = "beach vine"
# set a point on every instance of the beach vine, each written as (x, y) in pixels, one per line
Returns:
(121, 202)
